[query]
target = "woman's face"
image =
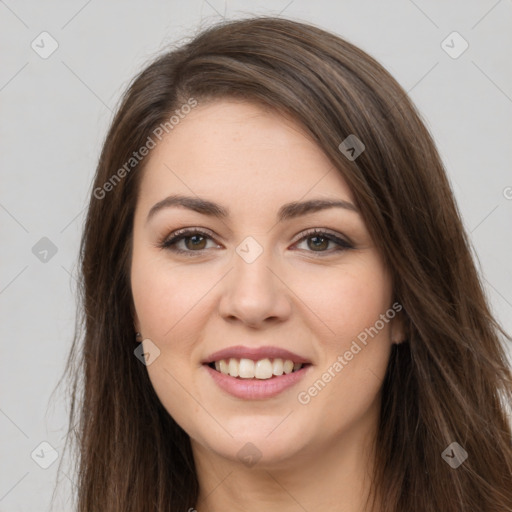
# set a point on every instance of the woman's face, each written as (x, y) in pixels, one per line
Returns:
(254, 283)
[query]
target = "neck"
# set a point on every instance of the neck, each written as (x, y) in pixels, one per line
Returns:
(325, 475)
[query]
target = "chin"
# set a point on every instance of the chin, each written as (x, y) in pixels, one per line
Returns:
(259, 446)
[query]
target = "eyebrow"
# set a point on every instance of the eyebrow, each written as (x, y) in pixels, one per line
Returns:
(286, 212)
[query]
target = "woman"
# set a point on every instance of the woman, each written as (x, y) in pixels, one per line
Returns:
(280, 304)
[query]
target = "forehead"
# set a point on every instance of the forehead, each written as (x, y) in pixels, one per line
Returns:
(231, 148)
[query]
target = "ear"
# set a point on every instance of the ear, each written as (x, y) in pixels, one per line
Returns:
(397, 328)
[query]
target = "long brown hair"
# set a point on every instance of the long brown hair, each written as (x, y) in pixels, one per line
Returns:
(448, 382)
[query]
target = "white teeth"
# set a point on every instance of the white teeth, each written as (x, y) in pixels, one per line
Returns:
(288, 366)
(261, 369)
(246, 368)
(223, 366)
(277, 367)
(233, 368)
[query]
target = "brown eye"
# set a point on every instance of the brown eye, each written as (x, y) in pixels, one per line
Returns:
(190, 242)
(318, 242)
(193, 242)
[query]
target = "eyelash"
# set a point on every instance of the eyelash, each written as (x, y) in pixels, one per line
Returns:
(170, 243)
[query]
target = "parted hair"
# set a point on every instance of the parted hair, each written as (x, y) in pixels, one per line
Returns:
(449, 381)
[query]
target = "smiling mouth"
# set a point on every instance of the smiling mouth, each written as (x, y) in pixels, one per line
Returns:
(261, 369)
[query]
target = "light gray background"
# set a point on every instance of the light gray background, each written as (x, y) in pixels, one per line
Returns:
(55, 113)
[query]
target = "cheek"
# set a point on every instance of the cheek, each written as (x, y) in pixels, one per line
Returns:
(356, 345)
(345, 300)
(166, 295)
(168, 302)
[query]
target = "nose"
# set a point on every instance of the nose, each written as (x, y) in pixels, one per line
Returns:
(254, 294)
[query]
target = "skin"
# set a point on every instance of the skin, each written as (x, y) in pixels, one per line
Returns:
(314, 456)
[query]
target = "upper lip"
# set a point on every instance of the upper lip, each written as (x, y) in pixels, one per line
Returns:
(254, 353)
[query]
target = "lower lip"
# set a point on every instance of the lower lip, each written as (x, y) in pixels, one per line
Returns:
(256, 389)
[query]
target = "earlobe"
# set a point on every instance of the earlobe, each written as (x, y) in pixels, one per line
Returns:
(397, 328)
